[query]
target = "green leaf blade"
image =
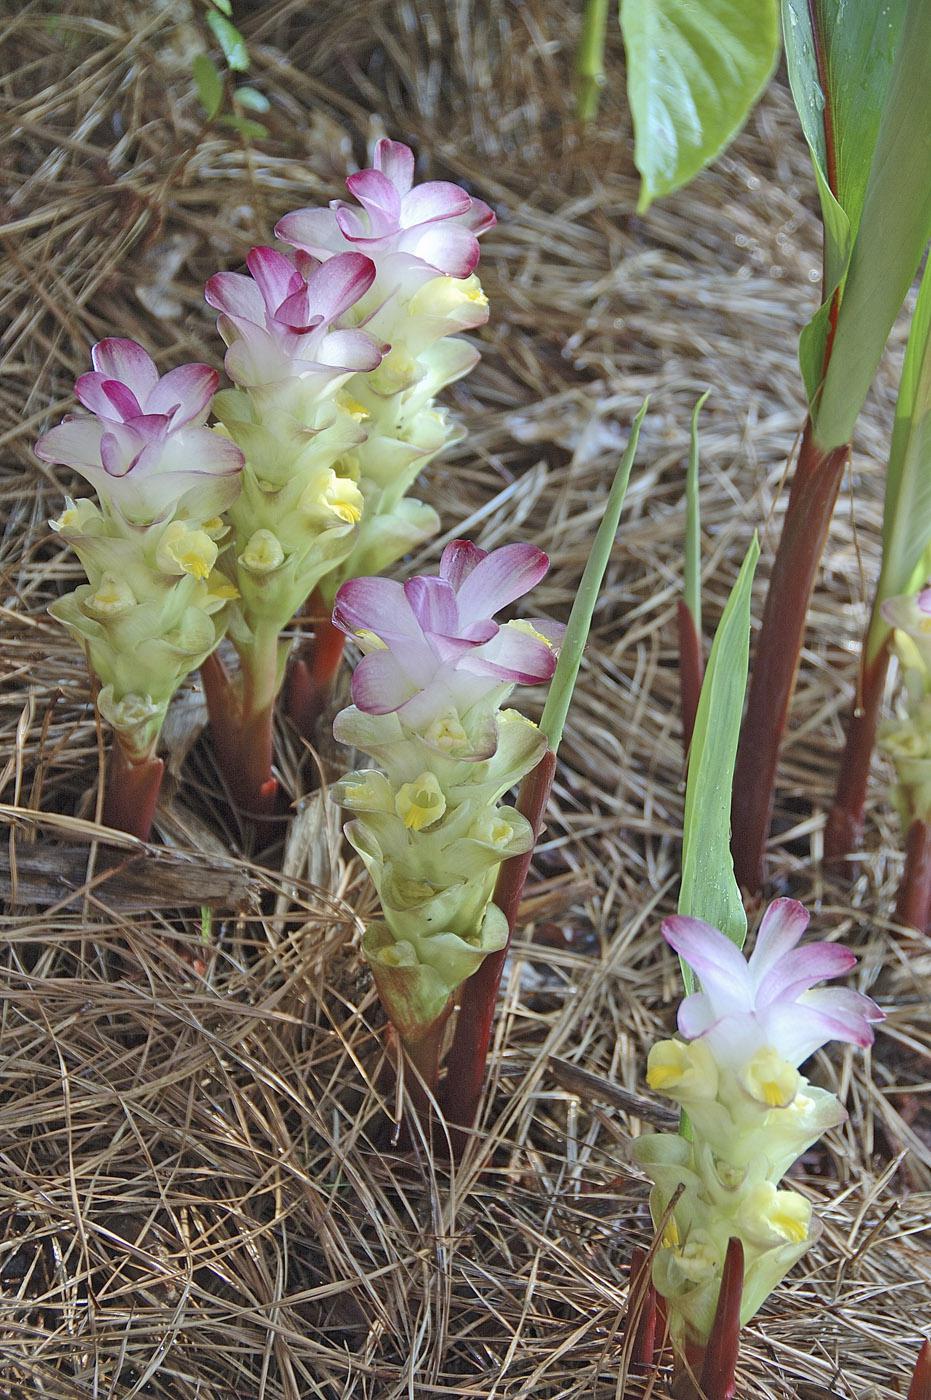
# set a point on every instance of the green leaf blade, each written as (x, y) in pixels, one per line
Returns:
(895, 226)
(694, 70)
(553, 719)
(907, 507)
(709, 890)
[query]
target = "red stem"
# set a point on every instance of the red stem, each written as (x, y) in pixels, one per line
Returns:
(132, 792)
(691, 670)
(913, 906)
(314, 667)
(469, 1051)
(804, 534)
(424, 1055)
(640, 1325)
(244, 748)
(845, 824)
(709, 1370)
(920, 1388)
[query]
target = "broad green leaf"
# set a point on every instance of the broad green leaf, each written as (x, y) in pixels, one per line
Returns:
(253, 99)
(895, 226)
(709, 890)
(209, 84)
(907, 509)
(692, 569)
(839, 56)
(694, 70)
(562, 685)
(230, 40)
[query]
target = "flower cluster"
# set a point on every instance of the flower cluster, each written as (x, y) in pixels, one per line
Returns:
(427, 704)
(750, 1112)
(155, 603)
(907, 738)
(423, 245)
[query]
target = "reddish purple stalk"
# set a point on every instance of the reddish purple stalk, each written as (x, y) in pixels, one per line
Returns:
(132, 792)
(920, 1388)
(913, 906)
(469, 1052)
(642, 1323)
(808, 516)
(844, 830)
(243, 737)
(714, 1365)
(691, 671)
(314, 668)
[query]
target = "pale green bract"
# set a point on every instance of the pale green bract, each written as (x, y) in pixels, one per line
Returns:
(694, 70)
(430, 830)
(153, 609)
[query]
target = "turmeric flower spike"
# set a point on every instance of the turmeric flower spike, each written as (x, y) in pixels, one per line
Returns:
(432, 644)
(436, 223)
(768, 1000)
(283, 320)
(143, 445)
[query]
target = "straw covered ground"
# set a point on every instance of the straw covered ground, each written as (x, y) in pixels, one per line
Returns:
(197, 1196)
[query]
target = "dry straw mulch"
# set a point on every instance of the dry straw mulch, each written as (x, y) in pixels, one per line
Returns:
(196, 1197)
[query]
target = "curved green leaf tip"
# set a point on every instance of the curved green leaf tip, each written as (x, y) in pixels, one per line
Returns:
(694, 70)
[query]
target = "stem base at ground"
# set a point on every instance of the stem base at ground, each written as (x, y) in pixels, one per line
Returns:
(469, 1052)
(132, 792)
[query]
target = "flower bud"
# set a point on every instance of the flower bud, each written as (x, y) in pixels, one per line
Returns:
(445, 296)
(445, 732)
(113, 598)
(263, 554)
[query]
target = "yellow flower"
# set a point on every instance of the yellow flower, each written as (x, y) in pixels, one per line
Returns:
(444, 295)
(182, 550)
(770, 1079)
(421, 803)
(329, 495)
(682, 1070)
(768, 1212)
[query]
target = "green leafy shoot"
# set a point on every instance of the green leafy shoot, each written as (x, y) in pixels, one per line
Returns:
(250, 130)
(907, 507)
(709, 890)
(895, 222)
(839, 59)
(562, 685)
(692, 572)
(209, 82)
(695, 68)
(224, 6)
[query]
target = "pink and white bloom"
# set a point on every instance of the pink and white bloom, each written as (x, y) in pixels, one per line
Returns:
(911, 614)
(282, 321)
(432, 644)
(438, 224)
(769, 1001)
(143, 445)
